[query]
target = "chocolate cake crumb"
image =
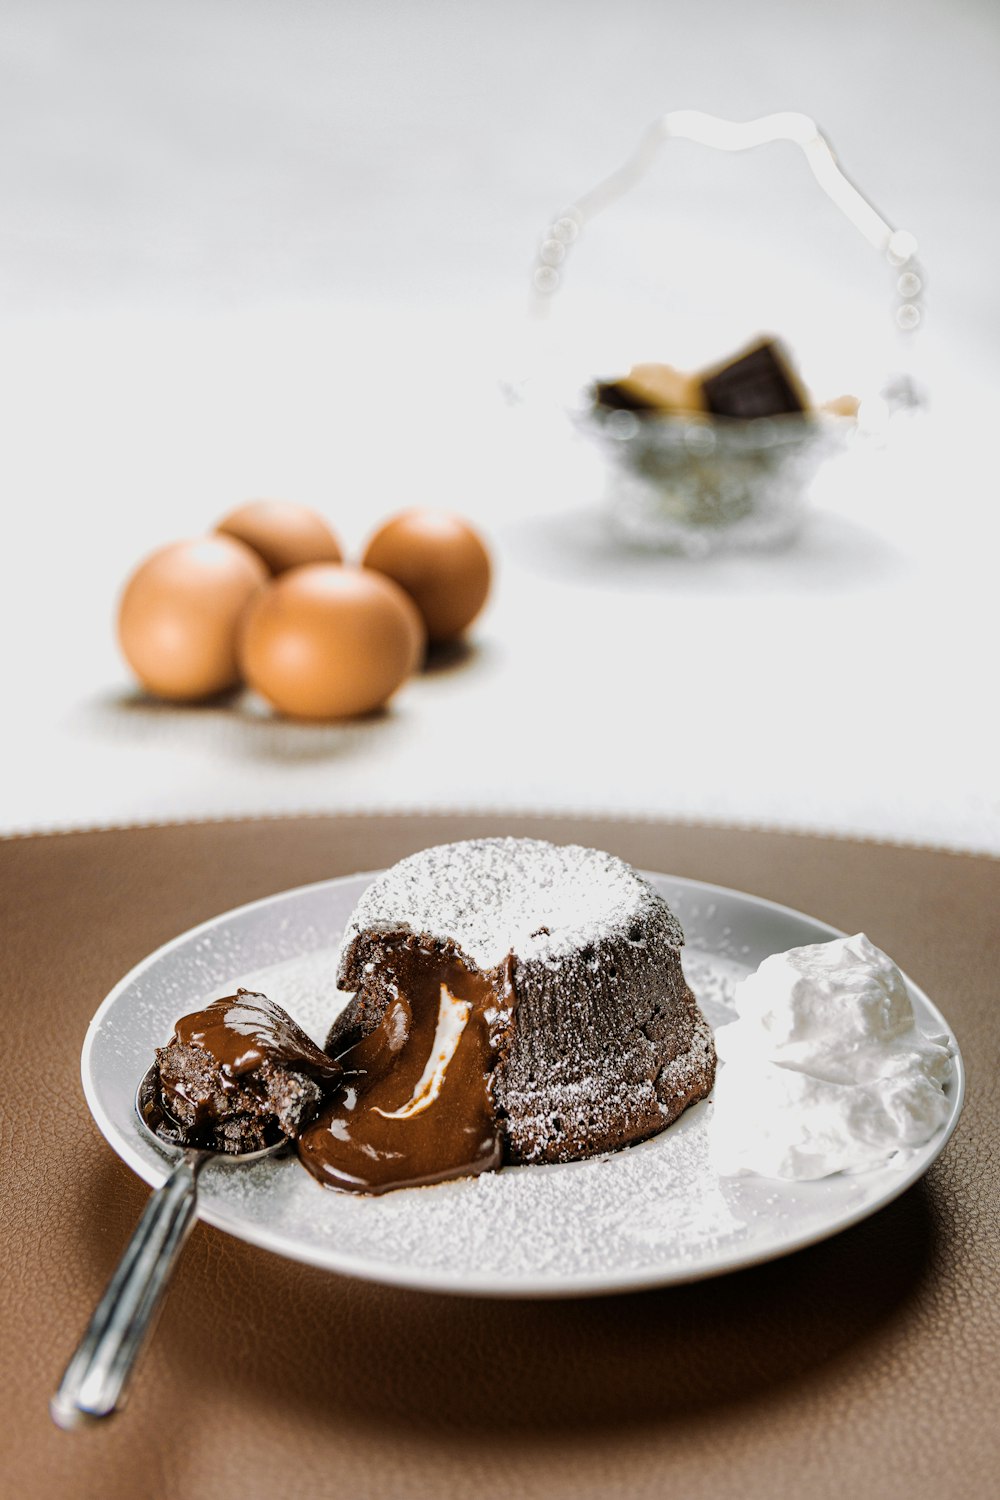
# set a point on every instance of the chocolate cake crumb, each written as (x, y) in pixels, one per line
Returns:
(238, 1076)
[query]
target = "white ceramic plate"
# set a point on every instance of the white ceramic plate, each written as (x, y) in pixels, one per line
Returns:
(644, 1217)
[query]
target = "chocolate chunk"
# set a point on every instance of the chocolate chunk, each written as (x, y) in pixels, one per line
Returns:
(758, 383)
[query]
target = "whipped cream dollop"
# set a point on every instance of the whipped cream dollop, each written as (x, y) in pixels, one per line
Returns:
(825, 1070)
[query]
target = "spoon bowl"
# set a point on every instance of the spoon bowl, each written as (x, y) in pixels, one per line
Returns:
(166, 1135)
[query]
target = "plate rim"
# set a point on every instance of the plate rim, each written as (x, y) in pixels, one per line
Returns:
(590, 1284)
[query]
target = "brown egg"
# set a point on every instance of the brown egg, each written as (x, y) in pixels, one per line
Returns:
(178, 616)
(285, 534)
(329, 641)
(440, 561)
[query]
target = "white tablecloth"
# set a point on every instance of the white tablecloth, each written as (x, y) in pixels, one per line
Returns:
(283, 250)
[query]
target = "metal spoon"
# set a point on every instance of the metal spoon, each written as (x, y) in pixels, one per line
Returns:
(95, 1379)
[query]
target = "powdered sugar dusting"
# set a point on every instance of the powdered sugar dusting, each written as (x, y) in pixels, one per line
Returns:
(656, 1200)
(497, 896)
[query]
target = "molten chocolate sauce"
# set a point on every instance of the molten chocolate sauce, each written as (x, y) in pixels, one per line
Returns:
(246, 1029)
(415, 1104)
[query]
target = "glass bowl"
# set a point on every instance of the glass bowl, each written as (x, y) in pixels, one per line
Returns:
(694, 483)
(697, 485)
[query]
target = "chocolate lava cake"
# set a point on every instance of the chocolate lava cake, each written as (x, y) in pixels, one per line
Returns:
(514, 1001)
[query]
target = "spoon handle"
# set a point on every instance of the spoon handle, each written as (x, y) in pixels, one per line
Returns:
(95, 1379)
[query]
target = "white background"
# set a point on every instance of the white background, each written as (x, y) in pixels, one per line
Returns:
(284, 249)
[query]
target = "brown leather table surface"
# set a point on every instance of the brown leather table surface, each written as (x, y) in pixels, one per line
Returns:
(864, 1366)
